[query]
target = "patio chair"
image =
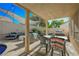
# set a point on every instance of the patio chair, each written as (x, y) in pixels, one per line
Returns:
(57, 44)
(31, 37)
(43, 42)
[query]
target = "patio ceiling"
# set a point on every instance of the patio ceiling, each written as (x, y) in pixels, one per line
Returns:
(47, 11)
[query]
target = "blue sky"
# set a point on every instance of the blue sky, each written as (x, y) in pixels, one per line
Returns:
(11, 18)
(14, 9)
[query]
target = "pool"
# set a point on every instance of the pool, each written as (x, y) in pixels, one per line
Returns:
(2, 48)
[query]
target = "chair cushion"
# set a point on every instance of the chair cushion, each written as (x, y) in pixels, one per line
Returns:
(57, 42)
(57, 45)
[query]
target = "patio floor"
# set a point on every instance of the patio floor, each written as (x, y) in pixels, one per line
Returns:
(14, 47)
(69, 48)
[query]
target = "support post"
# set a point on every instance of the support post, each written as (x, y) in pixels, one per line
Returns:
(46, 27)
(27, 41)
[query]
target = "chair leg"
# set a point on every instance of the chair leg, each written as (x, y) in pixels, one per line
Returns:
(52, 52)
(49, 46)
(46, 48)
(62, 53)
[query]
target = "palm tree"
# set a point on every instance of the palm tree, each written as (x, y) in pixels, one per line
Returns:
(56, 23)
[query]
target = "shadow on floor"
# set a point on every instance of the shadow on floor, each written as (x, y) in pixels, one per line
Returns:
(21, 45)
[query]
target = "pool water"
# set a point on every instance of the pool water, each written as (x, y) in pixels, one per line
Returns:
(2, 48)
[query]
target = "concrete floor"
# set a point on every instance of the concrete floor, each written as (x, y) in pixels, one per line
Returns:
(69, 48)
(13, 47)
(16, 48)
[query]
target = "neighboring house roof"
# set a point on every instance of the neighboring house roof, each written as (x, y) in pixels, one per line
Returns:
(2, 18)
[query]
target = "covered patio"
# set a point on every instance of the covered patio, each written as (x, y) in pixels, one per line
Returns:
(51, 12)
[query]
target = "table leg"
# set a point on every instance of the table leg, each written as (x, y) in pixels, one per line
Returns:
(52, 52)
(46, 48)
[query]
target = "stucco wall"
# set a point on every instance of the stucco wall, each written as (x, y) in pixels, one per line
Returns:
(65, 27)
(74, 26)
(7, 27)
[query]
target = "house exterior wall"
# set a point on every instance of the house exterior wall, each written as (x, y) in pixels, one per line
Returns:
(74, 26)
(7, 27)
(65, 27)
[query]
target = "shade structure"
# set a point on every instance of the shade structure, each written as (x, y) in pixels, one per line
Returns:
(14, 12)
(52, 10)
(13, 8)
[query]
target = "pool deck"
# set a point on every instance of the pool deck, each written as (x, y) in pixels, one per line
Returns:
(15, 47)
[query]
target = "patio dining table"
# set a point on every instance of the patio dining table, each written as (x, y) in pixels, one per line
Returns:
(50, 36)
(63, 37)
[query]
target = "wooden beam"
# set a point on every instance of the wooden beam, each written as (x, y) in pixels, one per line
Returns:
(46, 27)
(18, 4)
(27, 41)
(21, 6)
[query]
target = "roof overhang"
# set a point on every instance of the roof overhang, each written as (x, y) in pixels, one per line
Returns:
(52, 10)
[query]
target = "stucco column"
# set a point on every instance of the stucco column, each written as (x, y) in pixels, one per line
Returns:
(46, 27)
(27, 41)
